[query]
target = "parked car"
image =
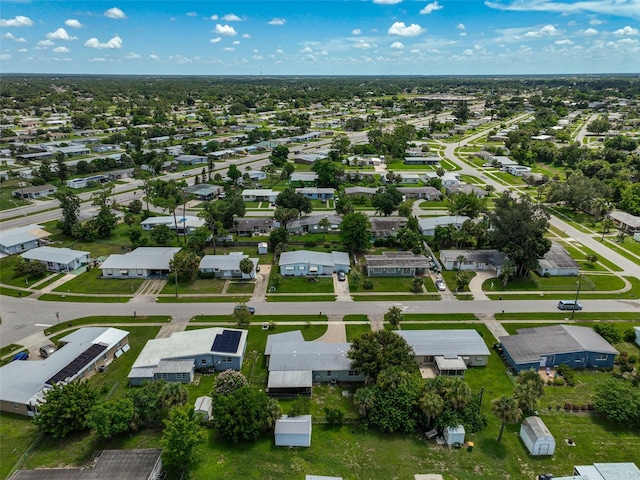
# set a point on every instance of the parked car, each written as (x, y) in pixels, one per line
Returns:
(342, 276)
(252, 310)
(20, 356)
(569, 305)
(440, 285)
(47, 350)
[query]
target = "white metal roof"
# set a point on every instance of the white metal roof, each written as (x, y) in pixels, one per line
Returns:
(225, 262)
(293, 425)
(28, 233)
(290, 379)
(54, 254)
(447, 343)
(315, 258)
(430, 223)
(149, 258)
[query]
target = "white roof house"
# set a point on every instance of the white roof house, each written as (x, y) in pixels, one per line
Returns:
(428, 225)
(227, 266)
(259, 195)
(609, 471)
(57, 259)
(188, 222)
(143, 262)
(84, 351)
(306, 262)
(20, 239)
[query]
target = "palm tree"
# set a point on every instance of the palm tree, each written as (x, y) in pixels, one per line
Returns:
(506, 409)
(457, 392)
(599, 206)
(365, 400)
(526, 396)
(431, 404)
(324, 224)
(246, 265)
(607, 225)
(393, 316)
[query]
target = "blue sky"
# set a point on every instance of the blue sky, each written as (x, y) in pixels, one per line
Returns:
(316, 37)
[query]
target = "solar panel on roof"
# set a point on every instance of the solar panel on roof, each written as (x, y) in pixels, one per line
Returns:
(77, 363)
(226, 342)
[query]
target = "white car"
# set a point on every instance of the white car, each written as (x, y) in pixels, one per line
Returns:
(440, 285)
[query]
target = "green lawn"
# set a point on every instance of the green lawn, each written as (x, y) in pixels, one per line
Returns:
(301, 298)
(440, 317)
(241, 287)
(356, 317)
(354, 331)
(389, 297)
(387, 284)
(111, 321)
(204, 299)
(537, 283)
(17, 433)
(8, 277)
(91, 282)
(52, 297)
(199, 285)
(305, 285)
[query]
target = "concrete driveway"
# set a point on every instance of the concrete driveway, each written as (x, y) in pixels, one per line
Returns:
(341, 289)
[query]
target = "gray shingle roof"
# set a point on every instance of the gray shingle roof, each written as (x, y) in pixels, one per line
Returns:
(397, 259)
(150, 258)
(557, 257)
(531, 343)
(310, 356)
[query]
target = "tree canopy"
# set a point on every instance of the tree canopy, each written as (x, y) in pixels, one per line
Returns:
(355, 231)
(66, 408)
(372, 352)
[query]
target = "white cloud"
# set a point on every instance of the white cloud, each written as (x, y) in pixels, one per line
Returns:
(132, 56)
(213, 17)
(115, 13)
(397, 45)
(306, 50)
(192, 14)
(546, 31)
(356, 31)
(5, 56)
(620, 8)
(590, 32)
(225, 30)
(231, 17)
(73, 23)
(626, 31)
(17, 21)
(61, 50)
(114, 43)
(362, 45)
(387, 2)
(10, 36)
(246, 35)
(279, 50)
(60, 34)
(277, 21)
(153, 56)
(228, 49)
(461, 26)
(257, 57)
(566, 41)
(215, 40)
(402, 30)
(595, 21)
(46, 43)
(236, 42)
(97, 60)
(430, 7)
(468, 51)
(23, 50)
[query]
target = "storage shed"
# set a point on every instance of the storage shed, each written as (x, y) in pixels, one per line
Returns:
(454, 434)
(204, 408)
(537, 437)
(293, 431)
(263, 248)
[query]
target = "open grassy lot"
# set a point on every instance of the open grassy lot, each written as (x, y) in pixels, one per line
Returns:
(440, 317)
(389, 297)
(386, 284)
(109, 321)
(17, 433)
(8, 276)
(241, 287)
(535, 282)
(305, 285)
(356, 317)
(354, 331)
(199, 285)
(91, 282)
(52, 297)
(203, 299)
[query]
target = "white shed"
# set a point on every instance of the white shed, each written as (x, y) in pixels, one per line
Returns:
(204, 408)
(537, 437)
(454, 434)
(293, 431)
(262, 248)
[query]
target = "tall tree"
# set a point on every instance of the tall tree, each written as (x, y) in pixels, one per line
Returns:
(228, 382)
(372, 352)
(279, 155)
(519, 228)
(181, 434)
(246, 265)
(65, 408)
(185, 265)
(507, 410)
(355, 231)
(70, 205)
(393, 316)
(387, 201)
(289, 198)
(234, 173)
(105, 220)
(112, 417)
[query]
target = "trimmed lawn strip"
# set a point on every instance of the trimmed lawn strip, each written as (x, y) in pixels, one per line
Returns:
(301, 298)
(536, 283)
(439, 317)
(10, 292)
(203, 299)
(449, 277)
(623, 251)
(354, 331)
(199, 285)
(91, 282)
(393, 298)
(52, 297)
(17, 433)
(8, 349)
(388, 284)
(596, 316)
(304, 285)
(107, 321)
(244, 288)
(8, 277)
(356, 317)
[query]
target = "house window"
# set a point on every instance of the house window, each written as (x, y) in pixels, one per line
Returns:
(15, 405)
(353, 373)
(226, 360)
(301, 267)
(602, 356)
(329, 373)
(203, 361)
(479, 359)
(182, 376)
(163, 376)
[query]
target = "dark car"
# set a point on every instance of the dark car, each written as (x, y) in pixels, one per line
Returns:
(243, 307)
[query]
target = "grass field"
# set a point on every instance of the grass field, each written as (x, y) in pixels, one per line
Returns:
(387, 284)
(204, 286)
(8, 277)
(91, 282)
(304, 285)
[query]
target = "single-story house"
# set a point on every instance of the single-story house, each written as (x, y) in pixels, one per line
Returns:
(227, 266)
(317, 193)
(247, 227)
(625, 221)
(503, 162)
(21, 239)
(536, 437)
(87, 181)
(426, 193)
(473, 260)
(143, 262)
(408, 178)
(451, 352)
(309, 224)
(293, 431)
(295, 364)
(309, 158)
(188, 222)
(137, 464)
(305, 262)
(449, 178)
(303, 178)
(518, 170)
(191, 159)
(101, 148)
(204, 408)
(259, 195)
(428, 225)
(256, 175)
(466, 188)
(383, 227)
(541, 347)
(120, 174)
(160, 139)
(83, 353)
(204, 191)
(72, 150)
(608, 471)
(176, 358)
(557, 262)
(396, 264)
(57, 259)
(37, 191)
(367, 192)
(435, 161)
